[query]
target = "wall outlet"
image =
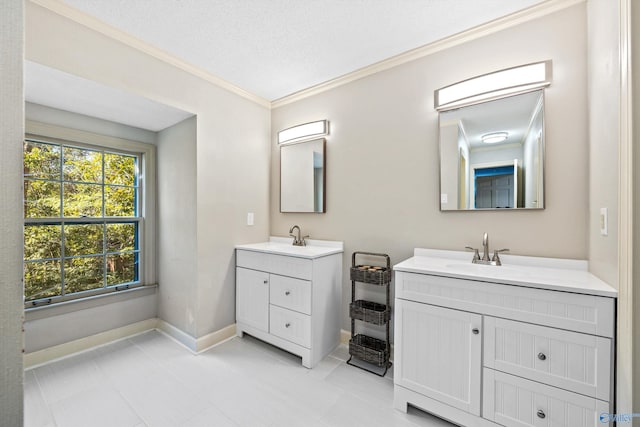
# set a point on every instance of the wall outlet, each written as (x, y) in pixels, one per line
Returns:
(604, 221)
(250, 218)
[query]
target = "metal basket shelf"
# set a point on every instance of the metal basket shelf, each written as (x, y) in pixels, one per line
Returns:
(371, 275)
(369, 311)
(369, 349)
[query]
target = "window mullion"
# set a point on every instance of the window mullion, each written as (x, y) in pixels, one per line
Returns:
(62, 231)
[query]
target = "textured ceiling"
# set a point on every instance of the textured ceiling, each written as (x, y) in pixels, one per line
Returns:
(273, 48)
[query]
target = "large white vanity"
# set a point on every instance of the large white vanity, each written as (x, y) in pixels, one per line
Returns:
(528, 343)
(290, 296)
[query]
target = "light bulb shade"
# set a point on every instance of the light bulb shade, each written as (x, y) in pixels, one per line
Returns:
(302, 132)
(494, 137)
(499, 84)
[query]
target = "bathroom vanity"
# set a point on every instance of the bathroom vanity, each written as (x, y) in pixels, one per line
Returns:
(528, 343)
(290, 296)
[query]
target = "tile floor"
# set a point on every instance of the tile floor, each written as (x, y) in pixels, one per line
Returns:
(150, 380)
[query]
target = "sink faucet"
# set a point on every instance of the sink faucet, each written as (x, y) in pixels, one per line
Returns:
(485, 247)
(485, 259)
(297, 240)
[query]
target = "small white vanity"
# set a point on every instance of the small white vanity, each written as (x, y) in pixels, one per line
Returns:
(290, 296)
(528, 343)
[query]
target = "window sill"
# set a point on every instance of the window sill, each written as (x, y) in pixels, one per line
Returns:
(70, 306)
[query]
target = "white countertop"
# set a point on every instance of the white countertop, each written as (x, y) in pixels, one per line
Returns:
(283, 246)
(534, 272)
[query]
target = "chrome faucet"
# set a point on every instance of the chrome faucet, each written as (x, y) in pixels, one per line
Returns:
(485, 247)
(297, 240)
(486, 260)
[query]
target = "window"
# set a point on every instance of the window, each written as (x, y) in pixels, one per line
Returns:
(84, 222)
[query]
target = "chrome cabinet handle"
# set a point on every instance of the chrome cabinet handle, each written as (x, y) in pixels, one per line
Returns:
(286, 325)
(265, 281)
(475, 331)
(542, 356)
(541, 414)
(287, 293)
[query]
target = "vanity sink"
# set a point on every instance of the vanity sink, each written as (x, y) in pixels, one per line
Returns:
(487, 270)
(535, 272)
(283, 246)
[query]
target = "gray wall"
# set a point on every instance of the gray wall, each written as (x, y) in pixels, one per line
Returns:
(604, 122)
(49, 326)
(635, 25)
(232, 166)
(177, 225)
(382, 154)
(11, 136)
(54, 116)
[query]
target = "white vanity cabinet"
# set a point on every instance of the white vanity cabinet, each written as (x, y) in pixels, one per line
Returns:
(290, 296)
(523, 346)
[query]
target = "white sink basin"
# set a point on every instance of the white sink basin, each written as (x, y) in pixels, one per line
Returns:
(487, 270)
(284, 246)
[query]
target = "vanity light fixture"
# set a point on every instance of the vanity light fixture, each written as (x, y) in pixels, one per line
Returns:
(302, 132)
(494, 137)
(498, 84)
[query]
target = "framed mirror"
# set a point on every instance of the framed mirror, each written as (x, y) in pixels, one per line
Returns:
(303, 177)
(492, 154)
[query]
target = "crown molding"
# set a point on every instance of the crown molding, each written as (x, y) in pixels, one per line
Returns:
(95, 24)
(517, 18)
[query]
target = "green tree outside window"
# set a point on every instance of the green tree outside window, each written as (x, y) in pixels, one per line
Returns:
(81, 219)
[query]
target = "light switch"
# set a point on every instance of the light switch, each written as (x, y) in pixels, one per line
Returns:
(604, 222)
(250, 218)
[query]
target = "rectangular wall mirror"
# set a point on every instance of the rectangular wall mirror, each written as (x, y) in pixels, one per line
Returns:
(302, 176)
(492, 154)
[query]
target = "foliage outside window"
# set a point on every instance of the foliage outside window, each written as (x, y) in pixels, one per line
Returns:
(81, 229)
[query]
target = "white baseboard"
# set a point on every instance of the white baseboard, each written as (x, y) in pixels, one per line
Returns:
(179, 335)
(196, 345)
(60, 351)
(215, 338)
(345, 336)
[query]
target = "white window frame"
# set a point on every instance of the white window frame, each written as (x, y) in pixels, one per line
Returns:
(44, 132)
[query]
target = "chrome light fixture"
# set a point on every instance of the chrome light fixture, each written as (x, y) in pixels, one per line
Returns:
(498, 84)
(303, 132)
(494, 137)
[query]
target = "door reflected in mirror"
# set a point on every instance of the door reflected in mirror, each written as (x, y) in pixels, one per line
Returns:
(302, 177)
(492, 155)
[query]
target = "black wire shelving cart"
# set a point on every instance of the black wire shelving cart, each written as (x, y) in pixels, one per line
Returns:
(369, 349)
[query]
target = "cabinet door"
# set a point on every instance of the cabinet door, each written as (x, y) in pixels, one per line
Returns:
(252, 298)
(438, 353)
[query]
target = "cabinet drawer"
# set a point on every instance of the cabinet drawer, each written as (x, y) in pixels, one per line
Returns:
(278, 264)
(290, 325)
(569, 360)
(287, 292)
(577, 312)
(515, 401)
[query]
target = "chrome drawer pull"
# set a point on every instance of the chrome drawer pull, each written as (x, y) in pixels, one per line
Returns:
(542, 356)
(475, 331)
(287, 325)
(266, 281)
(287, 293)
(541, 414)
